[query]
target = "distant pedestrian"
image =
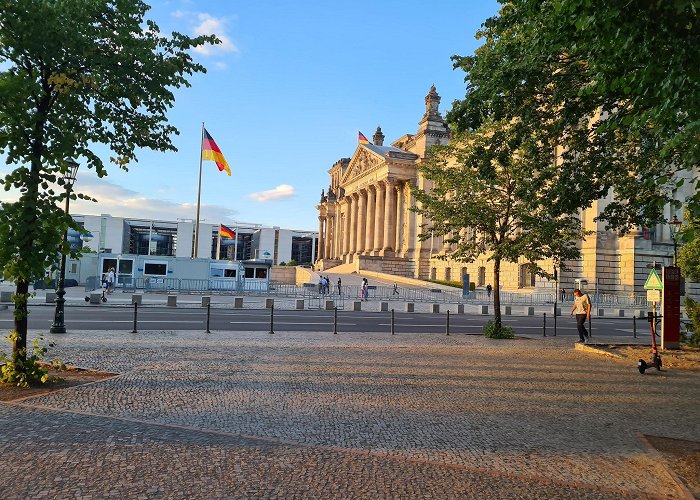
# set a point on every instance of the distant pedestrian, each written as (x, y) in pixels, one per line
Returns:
(395, 291)
(365, 290)
(110, 280)
(562, 293)
(320, 284)
(328, 285)
(340, 284)
(582, 308)
(488, 290)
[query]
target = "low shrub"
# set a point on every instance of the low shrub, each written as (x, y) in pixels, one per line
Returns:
(456, 284)
(23, 370)
(491, 332)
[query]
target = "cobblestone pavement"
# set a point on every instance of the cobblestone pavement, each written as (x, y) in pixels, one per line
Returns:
(301, 415)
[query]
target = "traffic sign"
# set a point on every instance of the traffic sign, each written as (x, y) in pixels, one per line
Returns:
(653, 295)
(653, 281)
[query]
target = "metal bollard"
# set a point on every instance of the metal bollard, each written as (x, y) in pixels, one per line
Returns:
(392, 321)
(272, 318)
(555, 320)
(447, 326)
(590, 329)
(335, 321)
(634, 326)
(136, 313)
(544, 324)
(208, 314)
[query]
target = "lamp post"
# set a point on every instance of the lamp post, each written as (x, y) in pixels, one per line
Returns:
(675, 226)
(59, 325)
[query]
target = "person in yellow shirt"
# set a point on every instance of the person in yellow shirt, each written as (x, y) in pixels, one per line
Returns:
(582, 307)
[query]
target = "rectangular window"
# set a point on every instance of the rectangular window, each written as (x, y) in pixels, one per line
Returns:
(250, 272)
(155, 268)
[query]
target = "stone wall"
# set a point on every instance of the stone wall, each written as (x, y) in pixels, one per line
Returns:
(390, 265)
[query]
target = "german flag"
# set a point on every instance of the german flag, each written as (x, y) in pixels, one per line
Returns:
(227, 232)
(210, 151)
(361, 139)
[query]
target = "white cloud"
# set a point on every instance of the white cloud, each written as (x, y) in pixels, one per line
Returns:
(220, 65)
(121, 202)
(279, 193)
(209, 25)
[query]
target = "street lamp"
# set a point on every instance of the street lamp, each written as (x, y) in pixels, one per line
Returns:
(675, 226)
(59, 325)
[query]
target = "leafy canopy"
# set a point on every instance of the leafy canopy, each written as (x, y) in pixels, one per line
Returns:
(620, 86)
(75, 73)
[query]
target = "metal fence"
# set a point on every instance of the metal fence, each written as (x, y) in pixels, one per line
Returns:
(307, 291)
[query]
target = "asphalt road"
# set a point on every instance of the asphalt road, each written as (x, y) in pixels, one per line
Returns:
(122, 318)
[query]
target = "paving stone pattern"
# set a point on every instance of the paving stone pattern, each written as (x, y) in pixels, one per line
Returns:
(301, 415)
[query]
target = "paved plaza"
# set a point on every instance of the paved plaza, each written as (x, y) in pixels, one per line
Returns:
(316, 415)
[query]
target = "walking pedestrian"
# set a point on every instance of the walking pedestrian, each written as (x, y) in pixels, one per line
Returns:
(488, 290)
(340, 290)
(582, 308)
(110, 280)
(365, 289)
(395, 291)
(562, 293)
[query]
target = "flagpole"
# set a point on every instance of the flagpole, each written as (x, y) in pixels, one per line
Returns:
(235, 246)
(218, 245)
(199, 194)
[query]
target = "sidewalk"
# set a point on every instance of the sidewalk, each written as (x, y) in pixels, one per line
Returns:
(246, 414)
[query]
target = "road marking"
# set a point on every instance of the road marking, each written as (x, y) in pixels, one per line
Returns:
(287, 323)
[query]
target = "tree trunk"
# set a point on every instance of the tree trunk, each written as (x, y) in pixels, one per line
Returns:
(19, 346)
(497, 292)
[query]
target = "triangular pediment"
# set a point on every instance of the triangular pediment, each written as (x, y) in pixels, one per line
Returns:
(362, 161)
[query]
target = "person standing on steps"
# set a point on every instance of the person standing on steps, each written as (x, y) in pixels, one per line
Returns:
(488, 290)
(582, 308)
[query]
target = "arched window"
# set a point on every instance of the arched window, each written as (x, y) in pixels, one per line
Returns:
(526, 277)
(433, 274)
(448, 274)
(482, 276)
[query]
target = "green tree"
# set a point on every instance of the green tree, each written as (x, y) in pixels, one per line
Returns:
(75, 73)
(621, 85)
(496, 191)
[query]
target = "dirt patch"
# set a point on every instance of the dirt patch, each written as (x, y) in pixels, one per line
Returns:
(686, 358)
(683, 458)
(71, 377)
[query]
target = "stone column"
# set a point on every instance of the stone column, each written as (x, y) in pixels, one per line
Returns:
(379, 218)
(329, 237)
(411, 235)
(361, 221)
(352, 234)
(389, 218)
(348, 226)
(371, 217)
(400, 207)
(319, 253)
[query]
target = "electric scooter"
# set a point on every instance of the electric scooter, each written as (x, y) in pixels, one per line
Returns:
(655, 356)
(103, 298)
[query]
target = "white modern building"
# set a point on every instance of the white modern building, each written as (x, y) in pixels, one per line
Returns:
(144, 248)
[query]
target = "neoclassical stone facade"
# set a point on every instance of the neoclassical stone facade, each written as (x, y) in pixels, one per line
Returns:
(365, 223)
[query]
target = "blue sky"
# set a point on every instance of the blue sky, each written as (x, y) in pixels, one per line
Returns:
(284, 97)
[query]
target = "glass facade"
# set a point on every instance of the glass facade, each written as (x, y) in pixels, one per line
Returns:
(302, 249)
(155, 240)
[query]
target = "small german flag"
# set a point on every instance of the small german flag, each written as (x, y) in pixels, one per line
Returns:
(210, 151)
(226, 232)
(361, 139)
